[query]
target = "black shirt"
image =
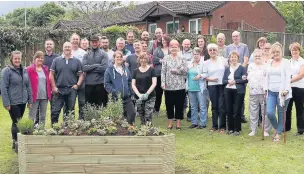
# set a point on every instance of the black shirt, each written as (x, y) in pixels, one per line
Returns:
(144, 80)
(48, 60)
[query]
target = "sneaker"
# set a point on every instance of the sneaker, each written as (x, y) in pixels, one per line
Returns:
(193, 126)
(266, 134)
(236, 133)
(298, 134)
(252, 133)
(230, 132)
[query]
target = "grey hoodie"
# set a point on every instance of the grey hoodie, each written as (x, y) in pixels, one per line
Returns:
(95, 63)
(15, 87)
(158, 54)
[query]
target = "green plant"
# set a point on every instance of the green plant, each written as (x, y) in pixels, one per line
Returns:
(213, 39)
(92, 131)
(114, 109)
(111, 129)
(50, 131)
(271, 37)
(91, 112)
(25, 125)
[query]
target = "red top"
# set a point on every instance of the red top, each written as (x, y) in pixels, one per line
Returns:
(33, 75)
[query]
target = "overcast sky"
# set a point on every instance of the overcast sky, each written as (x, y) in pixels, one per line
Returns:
(8, 6)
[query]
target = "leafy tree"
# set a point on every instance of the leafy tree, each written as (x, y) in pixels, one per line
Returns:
(293, 12)
(17, 17)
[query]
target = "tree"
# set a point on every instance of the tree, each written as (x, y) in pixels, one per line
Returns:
(293, 12)
(17, 17)
(93, 12)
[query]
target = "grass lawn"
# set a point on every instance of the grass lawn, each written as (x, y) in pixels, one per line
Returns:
(202, 152)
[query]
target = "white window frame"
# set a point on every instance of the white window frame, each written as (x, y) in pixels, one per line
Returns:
(171, 22)
(196, 24)
(152, 25)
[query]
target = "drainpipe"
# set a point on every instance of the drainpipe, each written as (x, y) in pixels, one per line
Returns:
(147, 27)
(173, 25)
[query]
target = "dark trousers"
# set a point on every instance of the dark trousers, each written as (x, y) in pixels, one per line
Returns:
(159, 94)
(234, 102)
(96, 94)
(298, 99)
(81, 99)
(129, 110)
(65, 97)
(16, 112)
(216, 93)
(175, 103)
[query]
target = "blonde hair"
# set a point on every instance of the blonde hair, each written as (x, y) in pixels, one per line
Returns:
(37, 55)
(116, 53)
(233, 53)
(212, 45)
(13, 54)
(295, 45)
(74, 34)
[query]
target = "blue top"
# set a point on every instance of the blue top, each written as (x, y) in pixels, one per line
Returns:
(242, 49)
(193, 84)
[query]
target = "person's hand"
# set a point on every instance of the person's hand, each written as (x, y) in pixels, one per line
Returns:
(75, 87)
(244, 77)
(140, 96)
(265, 95)
(284, 93)
(29, 106)
(161, 60)
(215, 80)
(8, 108)
(246, 60)
(163, 86)
(231, 82)
(197, 77)
(55, 90)
(145, 96)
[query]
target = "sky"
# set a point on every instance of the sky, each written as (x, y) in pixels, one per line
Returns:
(8, 6)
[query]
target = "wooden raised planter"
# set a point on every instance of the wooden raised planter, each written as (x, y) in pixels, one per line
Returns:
(40, 154)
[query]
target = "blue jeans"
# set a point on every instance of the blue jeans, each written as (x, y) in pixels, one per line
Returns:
(273, 101)
(198, 102)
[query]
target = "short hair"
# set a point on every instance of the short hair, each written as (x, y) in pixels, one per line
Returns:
(295, 45)
(130, 32)
(74, 34)
(173, 42)
(236, 32)
(120, 39)
(278, 44)
(260, 39)
(38, 54)
(257, 51)
(49, 39)
(84, 39)
(143, 42)
(212, 45)
(221, 35)
(233, 53)
(143, 56)
(196, 50)
(13, 53)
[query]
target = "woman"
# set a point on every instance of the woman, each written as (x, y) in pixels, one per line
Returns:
(297, 87)
(158, 56)
(173, 76)
(234, 92)
(196, 88)
(278, 89)
(260, 43)
(143, 84)
(201, 42)
(40, 83)
(213, 72)
(267, 52)
(16, 91)
(256, 78)
(118, 80)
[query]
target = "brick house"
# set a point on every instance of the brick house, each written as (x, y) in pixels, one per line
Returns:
(196, 16)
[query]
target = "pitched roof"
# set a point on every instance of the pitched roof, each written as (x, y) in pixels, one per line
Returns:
(125, 15)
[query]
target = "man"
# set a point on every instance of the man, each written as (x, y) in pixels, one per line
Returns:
(157, 42)
(129, 42)
(132, 60)
(84, 44)
(105, 48)
(67, 71)
(49, 56)
(145, 36)
(79, 54)
(187, 51)
(243, 51)
(220, 40)
(121, 46)
(95, 63)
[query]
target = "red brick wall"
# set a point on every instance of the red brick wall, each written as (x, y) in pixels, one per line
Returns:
(261, 15)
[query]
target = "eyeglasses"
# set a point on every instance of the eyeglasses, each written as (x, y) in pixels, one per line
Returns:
(267, 48)
(212, 50)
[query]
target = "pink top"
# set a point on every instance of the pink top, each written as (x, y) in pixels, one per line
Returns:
(33, 75)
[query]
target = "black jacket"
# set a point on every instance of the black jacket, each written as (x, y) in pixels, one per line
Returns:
(239, 82)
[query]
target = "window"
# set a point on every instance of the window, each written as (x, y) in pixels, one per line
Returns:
(169, 27)
(152, 28)
(195, 26)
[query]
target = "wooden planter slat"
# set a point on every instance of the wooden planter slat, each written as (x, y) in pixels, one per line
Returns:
(93, 154)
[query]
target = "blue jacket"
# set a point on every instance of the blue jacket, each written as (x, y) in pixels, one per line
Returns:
(116, 83)
(15, 87)
(239, 82)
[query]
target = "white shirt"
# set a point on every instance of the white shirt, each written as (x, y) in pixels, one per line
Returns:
(110, 55)
(295, 70)
(231, 77)
(215, 70)
(79, 54)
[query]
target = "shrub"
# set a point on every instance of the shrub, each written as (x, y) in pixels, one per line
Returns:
(114, 109)
(91, 112)
(25, 125)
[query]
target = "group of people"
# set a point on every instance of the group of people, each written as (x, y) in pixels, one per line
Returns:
(140, 71)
